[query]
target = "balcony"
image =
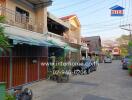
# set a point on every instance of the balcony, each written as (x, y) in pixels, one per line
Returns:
(56, 39)
(84, 44)
(37, 3)
(51, 35)
(15, 19)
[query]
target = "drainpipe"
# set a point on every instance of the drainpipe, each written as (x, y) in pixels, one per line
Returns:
(38, 68)
(11, 68)
(26, 80)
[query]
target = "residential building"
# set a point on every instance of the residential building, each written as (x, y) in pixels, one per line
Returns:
(56, 29)
(94, 44)
(95, 47)
(84, 48)
(73, 36)
(35, 35)
(25, 26)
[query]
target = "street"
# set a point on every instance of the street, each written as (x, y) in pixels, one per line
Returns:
(109, 82)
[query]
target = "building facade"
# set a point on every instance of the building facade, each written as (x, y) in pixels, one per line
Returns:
(73, 36)
(25, 25)
(35, 35)
(94, 44)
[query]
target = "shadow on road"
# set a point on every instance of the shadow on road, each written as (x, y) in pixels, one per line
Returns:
(93, 97)
(83, 83)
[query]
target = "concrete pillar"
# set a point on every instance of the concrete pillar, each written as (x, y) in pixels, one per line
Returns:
(45, 29)
(86, 54)
(41, 20)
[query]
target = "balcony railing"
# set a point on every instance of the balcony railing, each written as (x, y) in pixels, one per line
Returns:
(55, 36)
(16, 19)
(84, 44)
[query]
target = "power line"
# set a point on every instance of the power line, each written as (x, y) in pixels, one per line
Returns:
(102, 30)
(127, 29)
(104, 21)
(128, 11)
(123, 4)
(99, 28)
(85, 8)
(71, 5)
(95, 11)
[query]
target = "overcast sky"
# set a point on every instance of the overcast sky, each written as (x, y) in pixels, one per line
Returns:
(94, 16)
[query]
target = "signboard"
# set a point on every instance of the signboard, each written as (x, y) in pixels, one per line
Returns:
(116, 51)
(117, 10)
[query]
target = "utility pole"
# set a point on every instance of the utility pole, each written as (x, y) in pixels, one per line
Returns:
(127, 29)
(130, 30)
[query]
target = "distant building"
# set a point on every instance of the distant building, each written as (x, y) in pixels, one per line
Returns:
(94, 44)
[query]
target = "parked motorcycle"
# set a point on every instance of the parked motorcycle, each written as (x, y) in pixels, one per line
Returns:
(87, 66)
(21, 94)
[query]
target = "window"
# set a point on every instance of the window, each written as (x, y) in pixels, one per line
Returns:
(22, 16)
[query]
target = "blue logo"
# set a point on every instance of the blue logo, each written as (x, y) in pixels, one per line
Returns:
(117, 10)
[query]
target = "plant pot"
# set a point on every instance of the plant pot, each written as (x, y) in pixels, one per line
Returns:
(59, 79)
(63, 78)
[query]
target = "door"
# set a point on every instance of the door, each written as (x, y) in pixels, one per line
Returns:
(32, 70)
(18, 71)
(43, 67)
(5, 70)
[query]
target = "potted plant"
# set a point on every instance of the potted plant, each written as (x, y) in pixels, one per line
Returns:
(62, 76)
(9, 97)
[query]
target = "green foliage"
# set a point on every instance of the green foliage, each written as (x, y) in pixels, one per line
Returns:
(2, 19)
(4, 44)
(123, 39)
(130, 43)
(60, 63)
(9, 97)
(130, 47)
(123, 44)
(124, 51)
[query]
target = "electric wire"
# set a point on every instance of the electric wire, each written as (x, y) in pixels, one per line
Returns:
(71, 5)
(128, 11)
(95, 11)
(97, 31)
(102, 22)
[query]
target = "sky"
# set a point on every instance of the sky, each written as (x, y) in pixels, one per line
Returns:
(94, 16)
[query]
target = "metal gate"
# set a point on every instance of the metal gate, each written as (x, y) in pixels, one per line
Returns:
(5, 70)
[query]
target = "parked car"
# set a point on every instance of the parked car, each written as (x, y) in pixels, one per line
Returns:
(125, 61)
(87, 66)
(107, 59)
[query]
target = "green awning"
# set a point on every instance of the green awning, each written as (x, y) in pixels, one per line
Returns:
(69, 48)
(29, 41)
(57, 43)
(22, 36)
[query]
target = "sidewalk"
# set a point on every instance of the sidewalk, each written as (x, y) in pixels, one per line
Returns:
(40, 87)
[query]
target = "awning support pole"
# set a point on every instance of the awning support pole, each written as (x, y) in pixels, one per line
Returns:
(10, 68)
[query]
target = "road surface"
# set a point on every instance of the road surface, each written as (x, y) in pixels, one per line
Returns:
(109, 82)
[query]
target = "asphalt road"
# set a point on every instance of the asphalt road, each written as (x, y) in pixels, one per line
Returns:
(109, 82)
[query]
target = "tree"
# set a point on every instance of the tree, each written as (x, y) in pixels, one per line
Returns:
(130, 47)
(123, 44)
(4, 44)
